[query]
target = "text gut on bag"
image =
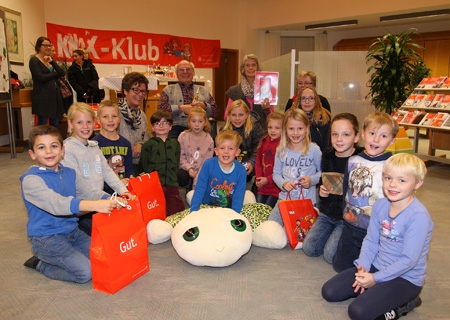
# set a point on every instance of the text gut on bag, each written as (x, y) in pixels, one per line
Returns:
(125, 246)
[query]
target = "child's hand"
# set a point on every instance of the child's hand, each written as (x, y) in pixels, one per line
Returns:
(106, 206)
(364, 278)
(289, 185)
(249, 168)
(261, 181)
(137, 150)
(192, 173)
(304, 181)
(128, 196)
(323, 191)
(125, 181)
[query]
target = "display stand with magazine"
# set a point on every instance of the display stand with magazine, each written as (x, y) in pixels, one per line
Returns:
(428, 107)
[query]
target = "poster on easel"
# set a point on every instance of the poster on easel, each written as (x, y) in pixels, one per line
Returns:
(5, 88)
(266, 86)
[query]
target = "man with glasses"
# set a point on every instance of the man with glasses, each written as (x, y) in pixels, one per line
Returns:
(180, 98)
(133, 122)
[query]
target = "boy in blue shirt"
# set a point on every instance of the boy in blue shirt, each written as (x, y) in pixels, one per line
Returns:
(53, 195)
(222, 179)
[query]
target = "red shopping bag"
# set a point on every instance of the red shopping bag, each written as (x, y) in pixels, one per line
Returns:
(118, 249)
(150, 194)
(298, 217)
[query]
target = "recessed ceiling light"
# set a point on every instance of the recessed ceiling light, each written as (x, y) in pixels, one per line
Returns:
(422, 14)
(331, 24)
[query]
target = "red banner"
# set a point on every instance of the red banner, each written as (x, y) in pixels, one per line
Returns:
(131, 47)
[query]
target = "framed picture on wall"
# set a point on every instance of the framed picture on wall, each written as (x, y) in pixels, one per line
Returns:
(14, 35)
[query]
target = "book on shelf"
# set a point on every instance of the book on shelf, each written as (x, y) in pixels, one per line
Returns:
(399, 115)
(437, 100)
(419, 117)
(439, 119)
(432, 83)
(446, 123)
(419, 100)
(446, 84)
(441, 80)
(410, 101)
(427, 101)
(427, 119)
(445, 103)
(410, 117)
(423, 82)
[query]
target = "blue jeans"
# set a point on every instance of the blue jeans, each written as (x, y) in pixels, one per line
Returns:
(54, 121)
(275, 215)
(349, 247)
(64, 256)
(266, 199)
(323, 237)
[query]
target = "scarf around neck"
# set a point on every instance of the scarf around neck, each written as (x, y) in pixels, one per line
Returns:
(247, 88)
(132, 117)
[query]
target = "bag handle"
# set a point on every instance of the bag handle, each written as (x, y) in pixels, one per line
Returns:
(288, 196)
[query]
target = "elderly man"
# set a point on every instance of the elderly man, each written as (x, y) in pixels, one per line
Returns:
(181, 97)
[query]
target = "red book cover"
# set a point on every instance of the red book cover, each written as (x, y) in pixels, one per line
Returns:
(427, 119)
(399, 115)
(266, 86)
(441, 81)
(445, 103)
(423, 82)
(437, 100)
(428, 100)
(418, 101)
(410, 100)
(439, 119)
(409, 118)
(446, 84)
(432, 82)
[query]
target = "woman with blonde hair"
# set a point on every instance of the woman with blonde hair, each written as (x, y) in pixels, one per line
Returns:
(245, 90)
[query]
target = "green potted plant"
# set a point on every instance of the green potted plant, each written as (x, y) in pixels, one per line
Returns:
(393, 59)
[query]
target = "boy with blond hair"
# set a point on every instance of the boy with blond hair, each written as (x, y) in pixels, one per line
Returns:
(362, 185)
(222, 180)
(389, 274)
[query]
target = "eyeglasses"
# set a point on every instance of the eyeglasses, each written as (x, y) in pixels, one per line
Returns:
(304, 83)
(308, 99)
(185, 69)
(161, 124)
(47, 45)
(137, 91)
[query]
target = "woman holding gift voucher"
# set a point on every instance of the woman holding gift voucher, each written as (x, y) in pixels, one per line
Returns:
(245, 90)
(323, 237)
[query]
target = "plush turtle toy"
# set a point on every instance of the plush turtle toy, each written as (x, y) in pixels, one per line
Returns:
(218, 237)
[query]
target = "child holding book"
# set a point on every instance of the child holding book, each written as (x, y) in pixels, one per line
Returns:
(297, 161)
(251, 132)
(323, 237)
(196, 145)
(362, 185)
(390, 270)
(162, 154)
(265, 157)
(222, 181)
(116, 149)
(54, 196)
(85, 156)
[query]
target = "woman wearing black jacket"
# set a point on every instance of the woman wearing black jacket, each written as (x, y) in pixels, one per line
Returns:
(83, 78)
(47, 102)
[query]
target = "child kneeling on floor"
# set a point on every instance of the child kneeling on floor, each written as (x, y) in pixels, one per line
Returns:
(390, 270)
(54, 195)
